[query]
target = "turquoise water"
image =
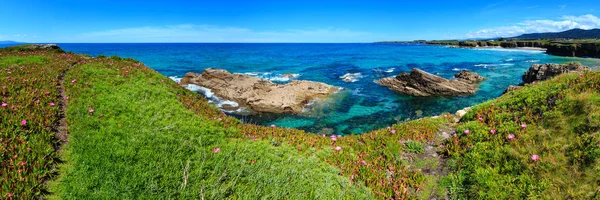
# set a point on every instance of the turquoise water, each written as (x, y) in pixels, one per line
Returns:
(362, 105)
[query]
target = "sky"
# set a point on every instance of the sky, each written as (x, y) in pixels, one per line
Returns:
(321, 21)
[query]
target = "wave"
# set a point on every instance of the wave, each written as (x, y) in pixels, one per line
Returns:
(532, 61)
(273, 77)
(390, 70)
(493, 65)
(351, 77)
(458, 69)
(509, 60)
(175, 78)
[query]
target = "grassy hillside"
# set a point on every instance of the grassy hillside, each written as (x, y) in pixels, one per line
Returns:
(134, 133)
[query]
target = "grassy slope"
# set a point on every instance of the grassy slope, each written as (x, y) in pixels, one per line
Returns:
(149, 137)
(28, 82)
(562, 118)
(140, 142)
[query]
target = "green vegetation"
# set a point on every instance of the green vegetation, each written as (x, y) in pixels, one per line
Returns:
(136, 134)
(538, 142)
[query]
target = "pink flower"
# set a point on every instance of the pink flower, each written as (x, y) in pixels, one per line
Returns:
(523, 125)
(338, 148)
(493, 131)
(323, 135)
(51, 104)
(220, 119)
(393, 131)
(467, 132)
(480, 119)
(24, 122)
(535, 157)
(272, 125)
(4, 104)
(47, 93)
(533, 82)
(4, 87)
(510, 136)
(453, 134)
(73, 81)
(217, 150)
(333, 138)
(389, 127)
(363, 162)
(580, 74)
(339, 136)
(91, 111)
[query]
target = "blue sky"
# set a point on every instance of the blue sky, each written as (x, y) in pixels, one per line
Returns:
(278, 21)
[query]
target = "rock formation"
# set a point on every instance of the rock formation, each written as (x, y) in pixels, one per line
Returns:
(420, 83)
(575, 49)
(469, 77)
(259, 94)
(540, 72)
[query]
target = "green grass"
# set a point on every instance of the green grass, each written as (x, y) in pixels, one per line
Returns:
(28, 82)
(562, 118)
(141, 142)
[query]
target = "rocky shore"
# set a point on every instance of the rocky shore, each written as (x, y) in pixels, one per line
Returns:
(259, 94)
(421, 83)
(541, 72)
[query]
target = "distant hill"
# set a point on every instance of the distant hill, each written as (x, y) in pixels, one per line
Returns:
(10, 42)
(569, 34)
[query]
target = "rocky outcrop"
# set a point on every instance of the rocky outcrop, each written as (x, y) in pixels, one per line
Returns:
(421, 83)
(259, 94)
(42, 46)
(540, 72)
(469, 77)
(575, 49)
(511, 88)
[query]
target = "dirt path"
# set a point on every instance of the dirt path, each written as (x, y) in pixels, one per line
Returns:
(61, 127)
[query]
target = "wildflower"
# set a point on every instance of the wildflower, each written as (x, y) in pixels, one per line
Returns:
(4, 87)
(24, 122)
(363, 162)
(533, 82)
(338, 148)
(47, 93)
(453, 134)
(217, 150)
(73, 81)
(511, 136)
(91, 111)
(389, 127)
(523, 126)
(23, 163)
(580, 74)
(339, 136)
(393, 131)
(493, 131)
(4, 104)
(480, 119)
(51, 104)
(220, 119)
(467, 132)
(272, 125)
(535, 157)
(333, 138)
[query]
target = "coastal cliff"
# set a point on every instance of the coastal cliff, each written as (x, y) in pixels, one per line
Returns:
(575, 49)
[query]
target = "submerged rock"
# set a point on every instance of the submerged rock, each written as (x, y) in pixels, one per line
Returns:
(259, 94)
(540, 72)
(421, 83)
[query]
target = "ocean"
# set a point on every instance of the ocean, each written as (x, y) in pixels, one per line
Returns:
(362, 105)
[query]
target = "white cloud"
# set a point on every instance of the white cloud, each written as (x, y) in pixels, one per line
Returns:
(209, 33)
(537, 26)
